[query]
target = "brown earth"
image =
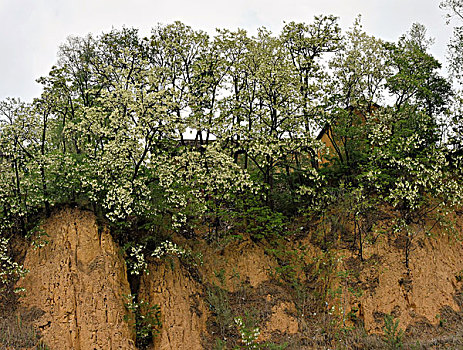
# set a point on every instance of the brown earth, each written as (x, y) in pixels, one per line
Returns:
(78, 282)
(414, 295)
(183, 311)
(240, 271)
(240, 261)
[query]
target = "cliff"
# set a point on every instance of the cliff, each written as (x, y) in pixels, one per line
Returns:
(77, 292)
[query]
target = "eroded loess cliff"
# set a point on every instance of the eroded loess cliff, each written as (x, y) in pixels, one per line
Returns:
(77, 287)
(421, 295)
(78, 280)
(181, 300)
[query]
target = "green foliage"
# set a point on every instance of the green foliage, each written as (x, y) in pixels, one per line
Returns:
(392, 334)
(415, 79)
(249, 333)
(10, 271)
(454, 10)
(262, 222)
(403, 157)
(136, 260)
(145, 318)
(230, 323)
(181, 131)
(168, 250)
(109, 132)
(38, 236)
(219, 304)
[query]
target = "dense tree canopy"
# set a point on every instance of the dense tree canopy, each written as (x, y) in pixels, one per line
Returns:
(180, 128)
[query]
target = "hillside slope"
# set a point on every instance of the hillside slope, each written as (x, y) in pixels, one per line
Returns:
(242, 291)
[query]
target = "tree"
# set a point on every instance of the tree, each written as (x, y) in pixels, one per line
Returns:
(415, 79)
(455, 10)
(358, 82)
(107, 131)
(270, 111)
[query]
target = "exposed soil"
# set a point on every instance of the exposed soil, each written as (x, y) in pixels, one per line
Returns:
(77, 282)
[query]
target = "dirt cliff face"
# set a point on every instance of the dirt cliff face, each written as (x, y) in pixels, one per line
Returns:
(419, 296)
(78, 280)
(198, 305)
(241, 261)
(181, 301)
(77, 285)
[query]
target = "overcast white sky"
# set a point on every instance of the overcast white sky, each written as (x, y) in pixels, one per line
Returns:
(32, 30)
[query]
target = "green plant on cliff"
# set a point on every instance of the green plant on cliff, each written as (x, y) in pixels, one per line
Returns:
(16, 333)
(249, 334)
(10, 271)
(392, 334)
(145, 318)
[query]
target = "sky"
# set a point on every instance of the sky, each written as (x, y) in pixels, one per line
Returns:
(31, 31)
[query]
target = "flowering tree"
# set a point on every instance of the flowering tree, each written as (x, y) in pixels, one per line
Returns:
(108, 130)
